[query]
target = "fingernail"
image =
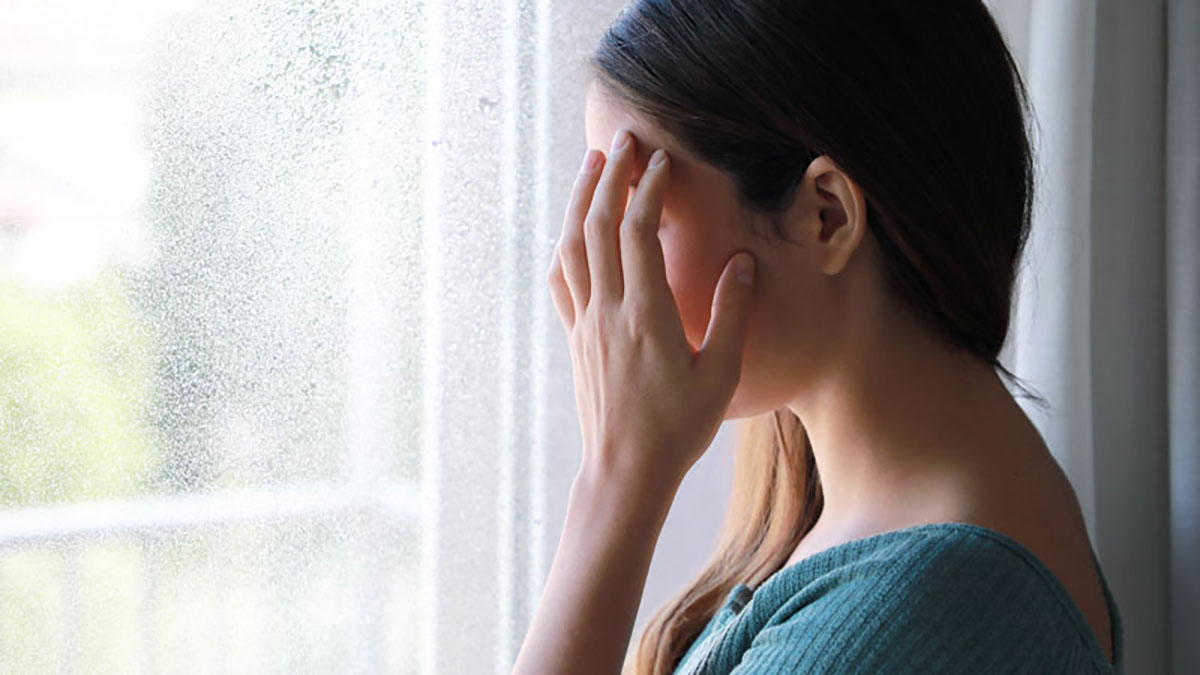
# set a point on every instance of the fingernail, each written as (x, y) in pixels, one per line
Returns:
(744, 268)
(591, 159)
(620, 140)
(658, 158)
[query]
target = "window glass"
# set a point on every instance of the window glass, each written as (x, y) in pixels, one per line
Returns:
(211, 284)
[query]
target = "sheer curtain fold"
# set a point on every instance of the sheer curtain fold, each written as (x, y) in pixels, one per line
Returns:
(1107, 322)
(1183, 325)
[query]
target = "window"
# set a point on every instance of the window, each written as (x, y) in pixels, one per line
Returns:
(281, 389)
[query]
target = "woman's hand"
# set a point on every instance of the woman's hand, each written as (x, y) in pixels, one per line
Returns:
(648, 406)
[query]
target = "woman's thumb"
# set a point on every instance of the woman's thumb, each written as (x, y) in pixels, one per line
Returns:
(721, 353)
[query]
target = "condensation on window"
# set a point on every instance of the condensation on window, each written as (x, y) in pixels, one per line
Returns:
(210, 335)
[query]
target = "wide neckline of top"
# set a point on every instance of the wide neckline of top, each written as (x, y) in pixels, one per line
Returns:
(741, 594)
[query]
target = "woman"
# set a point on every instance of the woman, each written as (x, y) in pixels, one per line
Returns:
(811, 215)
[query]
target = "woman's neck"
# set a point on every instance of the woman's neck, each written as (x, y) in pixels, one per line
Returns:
(901, 421)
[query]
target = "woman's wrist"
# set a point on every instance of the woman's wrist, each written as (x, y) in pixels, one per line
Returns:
(628, 475)
(585, 619)
(633, 505)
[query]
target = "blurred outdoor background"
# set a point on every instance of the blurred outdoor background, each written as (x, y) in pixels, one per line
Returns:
(182, 194)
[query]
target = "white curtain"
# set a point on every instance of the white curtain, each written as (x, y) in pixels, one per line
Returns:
(1182, 205)
(1108, 315)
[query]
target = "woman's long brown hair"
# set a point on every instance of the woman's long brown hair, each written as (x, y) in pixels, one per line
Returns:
(776, 501)
(921, 103)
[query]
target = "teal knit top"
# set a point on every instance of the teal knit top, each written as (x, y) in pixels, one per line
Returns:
(937, 598)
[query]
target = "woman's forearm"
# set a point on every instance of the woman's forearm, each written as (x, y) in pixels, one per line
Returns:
(584, 619)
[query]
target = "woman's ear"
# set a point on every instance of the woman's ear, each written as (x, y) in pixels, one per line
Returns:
(833, 214)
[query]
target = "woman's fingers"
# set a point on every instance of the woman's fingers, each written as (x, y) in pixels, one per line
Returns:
(720, 355)
(645, 271)
(571, 246)
(560, 292)
(604, 218)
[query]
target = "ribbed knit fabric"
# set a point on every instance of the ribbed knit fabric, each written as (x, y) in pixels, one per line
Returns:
(937, 598)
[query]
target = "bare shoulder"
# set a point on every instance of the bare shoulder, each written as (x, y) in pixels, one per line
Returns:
(1035, 505)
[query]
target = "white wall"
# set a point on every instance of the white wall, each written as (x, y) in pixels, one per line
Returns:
(691, 529)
